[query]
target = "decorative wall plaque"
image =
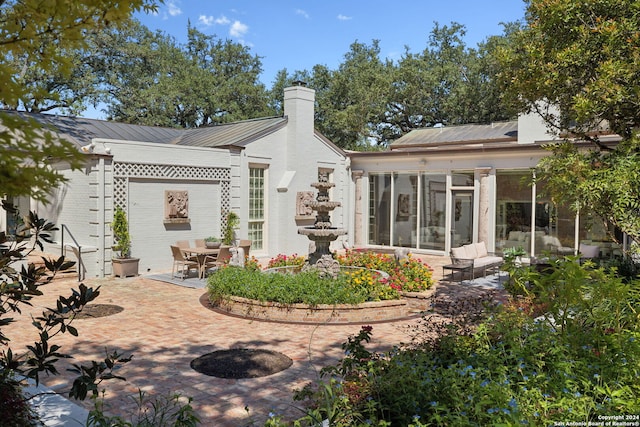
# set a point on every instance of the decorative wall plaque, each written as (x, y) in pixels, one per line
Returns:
(176, 206)
(302, 210)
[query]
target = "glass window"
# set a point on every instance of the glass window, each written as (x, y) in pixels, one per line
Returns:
(406, 209)
(462, 179)
(380, 209)
(555, 227)
(431, 234)
(461, 217)
(594, 232)
(513, 204)
(256, 207)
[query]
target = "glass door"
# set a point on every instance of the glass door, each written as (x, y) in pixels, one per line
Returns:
(461, 217)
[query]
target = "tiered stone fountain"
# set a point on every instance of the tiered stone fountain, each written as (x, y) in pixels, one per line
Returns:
(322, 233)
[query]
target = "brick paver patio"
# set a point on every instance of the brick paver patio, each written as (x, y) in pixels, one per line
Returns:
(165, 327)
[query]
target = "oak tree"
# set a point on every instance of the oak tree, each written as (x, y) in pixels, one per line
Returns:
(576, 63)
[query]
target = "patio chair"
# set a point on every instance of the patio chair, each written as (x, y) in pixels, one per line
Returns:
(223, 256)
(245, 245)
(200, 243)
(182, 263)
(182, 244)
(588, 252)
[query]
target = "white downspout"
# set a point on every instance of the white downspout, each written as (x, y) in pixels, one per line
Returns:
(101, 216)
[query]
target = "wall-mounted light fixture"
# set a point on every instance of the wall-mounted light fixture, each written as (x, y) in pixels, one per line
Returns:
(88, 148)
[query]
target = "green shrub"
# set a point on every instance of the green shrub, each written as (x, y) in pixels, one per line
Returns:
(171, 410)
(229, 232)
(305, 287)
(578, 362)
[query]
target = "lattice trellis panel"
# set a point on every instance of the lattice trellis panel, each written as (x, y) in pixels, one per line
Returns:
(122, 172)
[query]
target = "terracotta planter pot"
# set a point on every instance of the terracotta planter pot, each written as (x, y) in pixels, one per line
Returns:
(125, 267)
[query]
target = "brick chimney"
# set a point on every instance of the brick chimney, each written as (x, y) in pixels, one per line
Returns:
(299, 103)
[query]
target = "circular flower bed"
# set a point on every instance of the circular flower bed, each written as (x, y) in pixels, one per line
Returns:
(369, 288)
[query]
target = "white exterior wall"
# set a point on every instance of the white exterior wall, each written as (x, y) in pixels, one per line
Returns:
(151, 237)
(281, 232)
(293, 156)
(136, 175)
(86, 203)
(75, 204)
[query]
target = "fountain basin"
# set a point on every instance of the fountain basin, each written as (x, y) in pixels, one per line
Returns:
(329, 234)
(323, 206)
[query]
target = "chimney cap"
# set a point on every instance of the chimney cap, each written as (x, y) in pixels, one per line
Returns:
(299, 83)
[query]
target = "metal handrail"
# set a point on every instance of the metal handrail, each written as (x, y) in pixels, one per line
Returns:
(62, 250)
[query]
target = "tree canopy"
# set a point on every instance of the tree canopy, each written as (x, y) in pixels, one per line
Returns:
(148, 78)
(582, 58)
(368, 102)
(38, 73)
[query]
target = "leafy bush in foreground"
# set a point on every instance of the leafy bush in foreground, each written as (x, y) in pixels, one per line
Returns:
(20, 284)
(576, 363)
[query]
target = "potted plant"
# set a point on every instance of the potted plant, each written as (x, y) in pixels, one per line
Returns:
(212, 242)
(124, 264)
(229, 235)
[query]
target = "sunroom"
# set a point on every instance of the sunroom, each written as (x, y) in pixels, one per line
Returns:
(440, 188)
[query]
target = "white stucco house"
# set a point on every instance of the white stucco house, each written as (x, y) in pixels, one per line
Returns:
(256, 168)
(434, 189)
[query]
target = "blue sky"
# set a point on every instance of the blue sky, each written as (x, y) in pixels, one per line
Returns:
(298, 34)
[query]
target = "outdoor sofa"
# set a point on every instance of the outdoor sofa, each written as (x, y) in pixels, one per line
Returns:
(473, 258)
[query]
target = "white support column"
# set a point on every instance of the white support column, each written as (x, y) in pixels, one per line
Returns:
(358, 220)
(484, 205)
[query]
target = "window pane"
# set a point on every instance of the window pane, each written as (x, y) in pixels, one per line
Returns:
(555, 226)
(256, 207)
(256, 193)
(432, 212)
(406, 209)
(255, 235)
(594, 232)
(462, 179)
(380, 209)
(513, 220)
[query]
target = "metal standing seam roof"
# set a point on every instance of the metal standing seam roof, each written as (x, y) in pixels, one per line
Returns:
(502, 131)
(81, 131)
(237, 133)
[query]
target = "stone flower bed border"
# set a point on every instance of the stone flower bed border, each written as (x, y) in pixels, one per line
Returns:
(410, 305)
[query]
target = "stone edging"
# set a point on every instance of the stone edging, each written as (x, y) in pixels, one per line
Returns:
(368, 312)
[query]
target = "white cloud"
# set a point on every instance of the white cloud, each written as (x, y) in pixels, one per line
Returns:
(210, 20)
(173, 9)
(206, 20)
(302, 13)
(238, 29)
(223, 20)
(342, 17)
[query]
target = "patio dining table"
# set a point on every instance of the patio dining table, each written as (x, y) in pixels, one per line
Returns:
(201, 255)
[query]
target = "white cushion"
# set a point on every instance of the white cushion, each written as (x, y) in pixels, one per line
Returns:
(470, 249)
(552, 240)
(458, 253)
(589, 251)
(487, 260)
(481, 249)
